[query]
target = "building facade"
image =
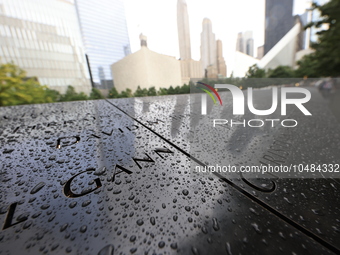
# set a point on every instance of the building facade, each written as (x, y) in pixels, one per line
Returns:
(146, 68)
(105, 36)
(245, 43)
(278, 21)
(208, 45)
(43, 38)
(221, 66)
(183, 30)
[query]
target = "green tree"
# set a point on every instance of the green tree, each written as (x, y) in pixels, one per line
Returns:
(185, 89)
(72, 95)
(325, 61)
(255, 72)
(113, 93)
(307, 67)
(16, 88)
(281, 72)
(152, 91)
(96, 94)
(126, 93)
(162, 91)
(140, 92)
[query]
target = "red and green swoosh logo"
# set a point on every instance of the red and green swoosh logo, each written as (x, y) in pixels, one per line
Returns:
(209, 93)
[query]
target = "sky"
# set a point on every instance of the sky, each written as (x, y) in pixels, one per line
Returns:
(157, 19)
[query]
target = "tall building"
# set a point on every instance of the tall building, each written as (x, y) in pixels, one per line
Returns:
(221, 66)
(189, 67)
(208, 45)
(183, 30)
(43, 38)
(245, 43)
(279, 20)
(104, 31)
(239, 42)
(248, 43)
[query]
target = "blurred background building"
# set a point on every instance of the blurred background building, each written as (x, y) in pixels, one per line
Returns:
(105, 36)
(245, 43)
(189, 68)
(146, 68)
(43, 38)
(278, 21)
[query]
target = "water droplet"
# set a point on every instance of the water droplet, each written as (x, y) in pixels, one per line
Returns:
(216, 227)
(173, 246)
(83, 228)
(44, 207)
(86, 203)
(132, 238)
(140, 222)
(187, 208)
(27, 224)
(318, 212)
(107, 250)
(256, 227)
(185, 192)
(152, 220)
(228, 248)
(161, 244)
(72, 204)
(37, 187)
(63, 227)
(195, 251)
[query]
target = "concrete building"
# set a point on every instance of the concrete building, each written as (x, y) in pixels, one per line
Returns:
(260, 52)
(220, 63)
(190, 69)
(279, 20)
(105, 36)
(146, 68)
(43, 38)
(183, 30)
(208, 45)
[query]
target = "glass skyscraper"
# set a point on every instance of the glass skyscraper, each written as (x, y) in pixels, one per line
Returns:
(43, 38)
(279, 20)
(105, 36)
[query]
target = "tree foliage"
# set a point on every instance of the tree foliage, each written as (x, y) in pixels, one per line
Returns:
(95, 94)
(255, 72)
(325, 61)
(72, 95)
(16, 88)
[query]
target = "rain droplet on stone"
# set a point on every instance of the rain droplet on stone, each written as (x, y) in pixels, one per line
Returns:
(107, 250)
(216, 227)
(140, 222)
(37, 187)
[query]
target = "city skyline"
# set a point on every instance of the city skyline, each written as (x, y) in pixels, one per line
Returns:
(227, 23)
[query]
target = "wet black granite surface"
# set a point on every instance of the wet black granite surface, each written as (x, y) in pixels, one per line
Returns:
(114, 177)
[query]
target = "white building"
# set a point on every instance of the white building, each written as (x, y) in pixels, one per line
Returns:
(146, 68)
